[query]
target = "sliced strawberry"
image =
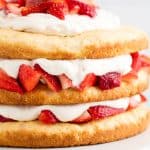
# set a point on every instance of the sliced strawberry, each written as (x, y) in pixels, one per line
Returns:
(58, 8)
(13, 8)
(30, 3)
(143, 98)
(2, 4)
(9, 83)
(98, 112)
(51, 80)
(85, 117)
(109, 80)
(136, 62)
(65, 81)
(84, 7)
(89, 81)
(130, 76)
(28, 77)
(145, 61)
(40, 8)
(21, 2)
(47, 117)
(4, 119)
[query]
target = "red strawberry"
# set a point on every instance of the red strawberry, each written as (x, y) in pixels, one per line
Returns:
(89, 81)
(47, 117)
(143, 98)
(130, 76)
(145, 61)
(21, 2)
(85, 117)
(30, 3)
(65, 81)
(2, 4)
(40, 8)
(99, 112)
(109, 80)
(51, 80)
(4, 119)
(84, 7)
(9, 83)
(28, 77)
(13, 8)
(136, 62)
(58, 8)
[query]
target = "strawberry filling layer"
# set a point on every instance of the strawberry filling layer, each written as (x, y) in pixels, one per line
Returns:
(55, 17)
(78, 113)
(78, 74)
(57, 8)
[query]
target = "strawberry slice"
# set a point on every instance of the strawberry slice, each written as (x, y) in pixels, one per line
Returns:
(130, 76)
(28, 77)
(109, 80)
(143, 98)
(47, 117)
(85, 117)
(136, 61)
(145, 61)
(90, 80)
(2, 4)
(30, 3)
(51, 80)
(40, 8)
(98, 112)
(58, 8)
(13, 8)
(84, 7)
(65, 81)
(4, 119)
(21, 2)
(9, 83)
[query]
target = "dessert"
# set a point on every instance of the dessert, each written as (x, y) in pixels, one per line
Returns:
(69, 75)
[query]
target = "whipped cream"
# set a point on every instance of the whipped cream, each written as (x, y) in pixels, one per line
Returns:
(76, 70)
(64, 113)
(51, 25)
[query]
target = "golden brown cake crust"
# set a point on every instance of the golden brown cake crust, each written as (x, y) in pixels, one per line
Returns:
(93, 44)
(42, 95)
(36, 134)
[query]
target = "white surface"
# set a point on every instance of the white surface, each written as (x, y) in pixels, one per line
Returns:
(131, 12)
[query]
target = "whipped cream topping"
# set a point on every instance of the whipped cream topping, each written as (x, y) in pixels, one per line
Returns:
(51, 25)
(64, 113)
(76, 70)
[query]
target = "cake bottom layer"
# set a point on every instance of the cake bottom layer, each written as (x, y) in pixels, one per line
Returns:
(36, 134)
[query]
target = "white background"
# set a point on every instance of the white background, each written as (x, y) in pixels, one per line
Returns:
(131, 12)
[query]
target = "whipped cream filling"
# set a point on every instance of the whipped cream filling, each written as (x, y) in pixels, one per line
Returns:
(63, 113)
(76, 70)
(51, 25)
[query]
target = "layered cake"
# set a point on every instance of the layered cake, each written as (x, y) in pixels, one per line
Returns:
(70, 74)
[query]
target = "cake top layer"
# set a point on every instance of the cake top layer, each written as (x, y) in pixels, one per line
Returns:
(64, 29)
(93, 44)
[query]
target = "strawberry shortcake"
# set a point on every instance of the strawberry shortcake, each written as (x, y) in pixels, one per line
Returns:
(70, 74)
